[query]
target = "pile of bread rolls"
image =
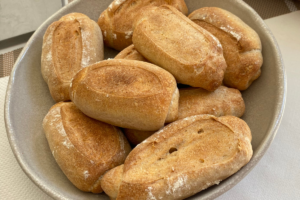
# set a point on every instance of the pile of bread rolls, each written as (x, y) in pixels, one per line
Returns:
(174, 90)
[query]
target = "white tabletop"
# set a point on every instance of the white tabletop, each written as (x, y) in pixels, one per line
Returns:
(276, 176)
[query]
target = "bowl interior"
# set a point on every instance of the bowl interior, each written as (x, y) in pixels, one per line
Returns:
(28, 101)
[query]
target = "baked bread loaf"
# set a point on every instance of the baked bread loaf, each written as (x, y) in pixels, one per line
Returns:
(83, 148)
(241, 45)
(223, 101)
(116, 21)
(167, 38)
(197, 101)
(126, 93)
(130, 53)
(212, 148)
(69, 44)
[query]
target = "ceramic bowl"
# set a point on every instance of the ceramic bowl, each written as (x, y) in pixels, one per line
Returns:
(28, 100)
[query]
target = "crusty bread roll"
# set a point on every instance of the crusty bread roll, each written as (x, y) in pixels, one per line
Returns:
(69, 44)
(223, 101)
(197, 101)
(126, 93)
(241, 45)
(212, 148)
(116, 21)
(83, 148)
(167, 38)
(130, 53)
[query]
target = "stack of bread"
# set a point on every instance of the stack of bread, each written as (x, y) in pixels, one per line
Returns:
(174, 90)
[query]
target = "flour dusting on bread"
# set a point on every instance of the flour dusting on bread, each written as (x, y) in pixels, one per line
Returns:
(115, 3)
(85, 60)
(86, 174)
(128, 34)
(150, 195)
(231, 31)
(47, 52)
(179, 184)
(56, 120)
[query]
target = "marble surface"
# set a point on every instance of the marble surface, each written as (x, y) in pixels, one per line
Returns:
(20, 17)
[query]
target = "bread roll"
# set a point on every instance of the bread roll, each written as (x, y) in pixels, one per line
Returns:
(130, 53)
(116, 21)
(167, 38)
(69, 44)
(241, 45)
(83, 148)
(196, 101)
(223, 101)
(126, 93)
(212, 148)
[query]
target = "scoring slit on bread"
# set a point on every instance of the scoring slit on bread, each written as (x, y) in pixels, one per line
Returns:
(116, 21)
(126, 93)
(241, 45)
(70, 44)
(212, 148)
(167, 38)
(83, 148)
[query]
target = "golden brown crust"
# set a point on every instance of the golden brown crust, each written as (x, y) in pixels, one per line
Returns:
(116, 21)
(173, 108)
(223, 101)
(167, 38)
(241, 45)
(84, 148)
(157, 167)
(126, 93)
(112, 181)
(70, 44)
(130, 53)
